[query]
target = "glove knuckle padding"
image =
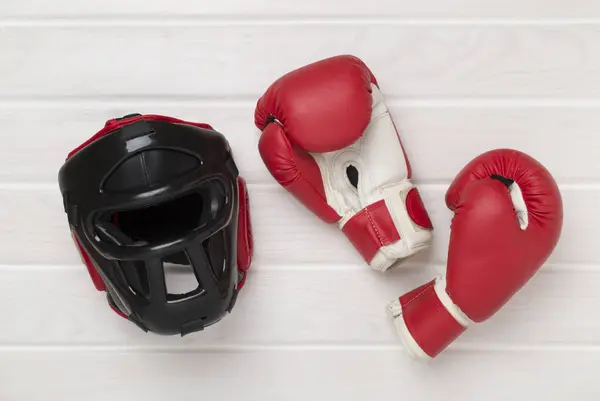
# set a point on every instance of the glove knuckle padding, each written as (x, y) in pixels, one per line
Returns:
(533, 178)
(491, 257)
(323, 106)
(485, 216)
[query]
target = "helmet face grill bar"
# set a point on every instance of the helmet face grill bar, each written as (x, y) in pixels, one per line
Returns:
(166, 221)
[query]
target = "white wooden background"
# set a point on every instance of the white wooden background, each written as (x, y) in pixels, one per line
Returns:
(461, 76)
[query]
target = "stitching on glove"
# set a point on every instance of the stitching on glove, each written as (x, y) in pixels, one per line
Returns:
(420, 294)
(368, 212)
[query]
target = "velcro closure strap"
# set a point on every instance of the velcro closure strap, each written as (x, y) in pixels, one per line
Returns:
(416, 210)
(427, 319)
(370, 229)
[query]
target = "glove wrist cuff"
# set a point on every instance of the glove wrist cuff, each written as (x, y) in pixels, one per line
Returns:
(370, 229)
(412, 348)
(427, 320)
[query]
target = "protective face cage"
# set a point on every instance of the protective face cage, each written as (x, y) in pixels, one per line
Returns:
(151, 193)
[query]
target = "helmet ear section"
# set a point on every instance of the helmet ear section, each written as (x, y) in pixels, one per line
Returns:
(87, 261)
(96, 278)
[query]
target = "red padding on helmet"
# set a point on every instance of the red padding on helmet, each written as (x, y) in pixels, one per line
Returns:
(114, 124)
(245, 242)
(117, 311)
(98, 282)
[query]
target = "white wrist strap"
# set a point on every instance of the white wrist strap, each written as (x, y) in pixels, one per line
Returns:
(457, 314)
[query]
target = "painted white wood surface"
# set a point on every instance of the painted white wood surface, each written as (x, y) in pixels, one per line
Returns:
(193, 59)
(461, 77)
(533, 9)
(300, 373)
(301, 305)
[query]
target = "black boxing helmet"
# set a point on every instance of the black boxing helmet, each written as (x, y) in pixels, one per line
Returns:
(150, 192)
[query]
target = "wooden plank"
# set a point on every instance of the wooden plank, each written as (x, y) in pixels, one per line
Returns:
(33, 229)
(311, 304)
(266, 8)
(408, 60)
(299, 374)
(38, 137)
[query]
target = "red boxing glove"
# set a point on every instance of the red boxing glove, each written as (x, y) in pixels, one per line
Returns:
(328, 138)
(507, 221)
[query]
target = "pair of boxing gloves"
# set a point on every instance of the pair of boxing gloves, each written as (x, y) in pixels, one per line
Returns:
(329, 139)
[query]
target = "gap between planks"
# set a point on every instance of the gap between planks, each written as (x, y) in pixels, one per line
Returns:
(320, 347)
(187, 20)
(407, 268)
(580, 185)
(249, 102)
